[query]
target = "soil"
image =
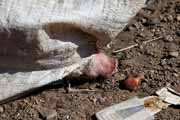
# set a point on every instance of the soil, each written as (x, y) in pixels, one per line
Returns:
(158, 60)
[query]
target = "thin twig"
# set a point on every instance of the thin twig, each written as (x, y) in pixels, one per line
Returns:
(135, 45)
(69, 89)
(80, 90)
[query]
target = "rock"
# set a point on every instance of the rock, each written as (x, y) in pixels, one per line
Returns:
(163, 62)
(153, 21)
(101, 100)
(177, 8)
(138, 25)
(67, 117)
(172, 62)
(178, 32)
(120, 76)
(174, 54)
(178, 18)
(172, 47)
(168, 38)
(37, 119)
(1, 109)
(175, 75)
(149, 34)
(143, 20)
(163, 18)
(151, 7)
(131, 28)
(170, 18)
(150, 2)
(47, 114)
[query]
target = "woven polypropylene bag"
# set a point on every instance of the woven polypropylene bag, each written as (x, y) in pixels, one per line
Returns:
(42, 41)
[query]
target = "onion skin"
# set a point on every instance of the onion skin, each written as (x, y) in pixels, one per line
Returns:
(133, 82)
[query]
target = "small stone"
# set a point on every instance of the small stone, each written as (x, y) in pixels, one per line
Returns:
(3, 115)
(144, 85)
(67, 117)
(143, 21)
(163, 62)
(163, 18)
(37, 119)
(1, 109)
(120, 77)
(172, 62)
(178, 18)
(170, 18)
(175, 74)
(154, 21)
(131, 28)
(151, 7)
(150, 2)
(138, 25)
(177, 8)
(141, 47)
(178, 33)
(47, 114)
(168, 38)
(174, 54)
(101, 100)
(142, 34)
(149, 34)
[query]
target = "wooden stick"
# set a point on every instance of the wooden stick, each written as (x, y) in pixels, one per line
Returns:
(80, 90)
(132, 46)
(70, 90)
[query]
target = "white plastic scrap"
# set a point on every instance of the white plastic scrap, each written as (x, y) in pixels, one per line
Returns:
(132, 109)
(169, 95)
(141, 109)
(42, 41)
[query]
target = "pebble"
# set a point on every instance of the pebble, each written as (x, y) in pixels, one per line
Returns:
(143, 20)
(1, 109)
(47, 114)
(163, 62)
(67, 117)
(120, 76)
(163, 18)
(101, 100)
(178, 18)
(138, 25)
(175, 74)
(150, 2)
(37, 119)
(154, 21)
(168, 38)
(170, 18)
(144, 85)
(177, 9)
(151, 7)
(131, 28)
(174, 54)
(178, 33)
(149, 34)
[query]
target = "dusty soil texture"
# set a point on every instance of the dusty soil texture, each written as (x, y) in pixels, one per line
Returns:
(158, 60)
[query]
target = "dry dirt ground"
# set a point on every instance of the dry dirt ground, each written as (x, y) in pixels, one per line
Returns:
(159, 60)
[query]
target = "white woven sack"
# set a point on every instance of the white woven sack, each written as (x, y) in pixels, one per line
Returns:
(42, 41)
